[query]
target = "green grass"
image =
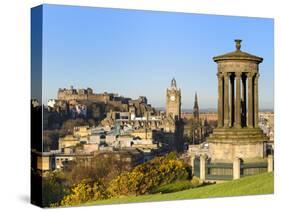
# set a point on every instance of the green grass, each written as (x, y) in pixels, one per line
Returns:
(174, 187)
(252, 185)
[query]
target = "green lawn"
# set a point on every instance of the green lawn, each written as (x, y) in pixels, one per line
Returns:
(258, 184)
(173, 187)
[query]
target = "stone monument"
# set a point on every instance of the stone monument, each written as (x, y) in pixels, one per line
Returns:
(237, 134)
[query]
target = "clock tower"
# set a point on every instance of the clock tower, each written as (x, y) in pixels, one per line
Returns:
(173, 101)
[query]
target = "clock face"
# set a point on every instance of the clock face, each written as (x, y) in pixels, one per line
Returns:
(172, 98)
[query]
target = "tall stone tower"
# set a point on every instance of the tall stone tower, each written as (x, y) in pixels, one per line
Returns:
(173, 101)
(196, 110)
(238, 134)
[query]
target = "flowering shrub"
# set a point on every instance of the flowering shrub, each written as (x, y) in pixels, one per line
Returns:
(83, 192)
(143, 178)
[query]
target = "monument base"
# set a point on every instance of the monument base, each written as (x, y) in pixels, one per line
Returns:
(226, 144)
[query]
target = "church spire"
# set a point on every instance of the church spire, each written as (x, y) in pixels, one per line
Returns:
(196, 101)
(196, 109)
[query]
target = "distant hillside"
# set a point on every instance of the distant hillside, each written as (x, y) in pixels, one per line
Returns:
(252, 185)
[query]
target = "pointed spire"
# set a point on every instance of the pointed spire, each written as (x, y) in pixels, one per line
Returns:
(196, 101)
(173, 83)
(196, 109)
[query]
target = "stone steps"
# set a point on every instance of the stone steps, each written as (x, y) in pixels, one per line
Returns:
(237, 134)
(222, 140)
(238, 130)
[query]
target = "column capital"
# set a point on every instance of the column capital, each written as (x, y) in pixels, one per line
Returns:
(238, 74)
(249, 75)
(219, 75)
(226, 75)
(257, 76)
(256, 80)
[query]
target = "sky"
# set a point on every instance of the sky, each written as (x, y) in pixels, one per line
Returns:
(137, 53)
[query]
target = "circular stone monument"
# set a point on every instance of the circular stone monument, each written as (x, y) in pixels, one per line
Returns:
(238, 134)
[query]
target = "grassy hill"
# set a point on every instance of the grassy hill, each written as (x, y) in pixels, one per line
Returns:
(258, 184)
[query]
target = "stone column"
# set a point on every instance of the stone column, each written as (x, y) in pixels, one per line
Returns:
(202, 167)
(232, 115)
(250, 100)
(256, 98)
(226, 100)
(236, 168)
(270, 163)
(220, 102)
(238, 101)
(244, 100)
(192, 160)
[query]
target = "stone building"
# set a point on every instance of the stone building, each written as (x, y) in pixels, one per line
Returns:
(82, 131)
(143, 133)
(266, 123)
(172, 123)
(196, 129)
(65, 94)
(68, 141)
(45, 162)
(238, 133)
(146, 122)
(80, 94)
(210, 117)
(237, 145)
(173, 101)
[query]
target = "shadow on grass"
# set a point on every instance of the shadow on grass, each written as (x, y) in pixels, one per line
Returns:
(178, 186)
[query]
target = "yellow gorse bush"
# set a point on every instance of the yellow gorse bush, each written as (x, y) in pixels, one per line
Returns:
(83, 192)
(143, 178)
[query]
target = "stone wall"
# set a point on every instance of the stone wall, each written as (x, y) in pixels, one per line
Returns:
(228, 152)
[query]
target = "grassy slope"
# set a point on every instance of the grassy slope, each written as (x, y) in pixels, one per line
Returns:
(259, 184)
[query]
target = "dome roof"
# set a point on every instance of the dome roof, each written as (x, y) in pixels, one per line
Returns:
(238, 55)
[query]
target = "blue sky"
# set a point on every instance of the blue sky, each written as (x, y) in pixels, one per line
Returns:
(137, 53)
